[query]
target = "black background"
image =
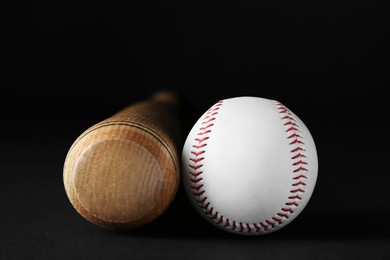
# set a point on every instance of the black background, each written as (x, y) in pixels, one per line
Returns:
(67, 65)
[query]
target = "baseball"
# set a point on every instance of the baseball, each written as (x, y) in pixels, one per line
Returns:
(249, 165)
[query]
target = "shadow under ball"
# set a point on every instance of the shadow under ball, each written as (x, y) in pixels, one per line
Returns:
(123, 172)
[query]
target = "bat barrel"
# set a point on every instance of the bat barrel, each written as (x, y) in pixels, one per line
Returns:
(124, 171)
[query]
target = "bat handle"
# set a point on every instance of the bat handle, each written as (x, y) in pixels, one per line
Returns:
(165, 96)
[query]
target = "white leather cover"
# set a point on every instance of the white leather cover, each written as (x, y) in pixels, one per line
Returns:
(249, 165)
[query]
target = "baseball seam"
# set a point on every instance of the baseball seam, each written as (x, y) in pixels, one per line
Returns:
(298, 161)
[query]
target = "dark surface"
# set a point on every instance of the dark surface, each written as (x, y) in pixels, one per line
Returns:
(67, 66)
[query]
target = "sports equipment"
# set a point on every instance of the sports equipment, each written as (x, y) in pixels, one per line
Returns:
(249, 165)
(124, 171)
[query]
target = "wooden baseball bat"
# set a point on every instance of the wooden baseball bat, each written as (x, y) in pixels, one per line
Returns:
(123, 172)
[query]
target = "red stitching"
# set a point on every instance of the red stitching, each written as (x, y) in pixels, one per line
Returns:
(241, 227)
(290, 123)
(299, 174)
(292, 129)
(202, 139)
(264, 226)
(283, 215)
(248, 228)
(212, 114)
(294, 135)
(296, 196)
(256, 227)
(215, 216)
(289, 210)
(202, 200)
(196, 180)
(205, 132)
(278, 220)
(283, 110)
(196, 160)
(297, 153)
(212, 110)
(200, 193)
(297, 190)
(197, 153)
(299, 183)
(289, 117)
(208, 121)
(300, 169)
(272, 224)
(195, 167)
(296, 163)
(298, 156)
(205, 127)
(197, 187)
(296, 141)
(199, 146)
(195, 174)
(234, 225)
(297, 149)
(205, 206)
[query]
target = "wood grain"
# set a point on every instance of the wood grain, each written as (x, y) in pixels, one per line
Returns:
(124, 171)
